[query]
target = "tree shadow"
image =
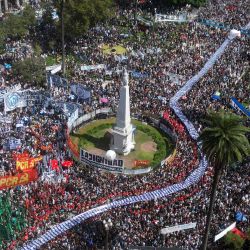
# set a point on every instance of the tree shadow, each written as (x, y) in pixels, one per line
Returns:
(101, 143)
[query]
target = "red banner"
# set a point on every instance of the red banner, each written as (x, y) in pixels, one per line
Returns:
(19, 179)
(73, 148)
(20, 156)
(141, 163)
(47, 148)
(27, 163)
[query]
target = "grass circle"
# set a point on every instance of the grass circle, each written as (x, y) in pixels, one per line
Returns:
(151, 144)
(118, 49)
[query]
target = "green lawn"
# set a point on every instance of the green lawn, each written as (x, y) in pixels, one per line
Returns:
(51, 60)
(120, 50)
(92, 136)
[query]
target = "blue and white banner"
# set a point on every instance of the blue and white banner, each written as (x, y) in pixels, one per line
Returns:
(144, 21)
(14, 143)
(137, 74)
(193, 178)
(238, 106)
(93, 67)
(72, 117)
(2, 93)
(56, 81)
(217, 25)
(13, 100)
(80, 92)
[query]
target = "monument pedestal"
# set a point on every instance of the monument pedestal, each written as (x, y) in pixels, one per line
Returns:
(123, 140)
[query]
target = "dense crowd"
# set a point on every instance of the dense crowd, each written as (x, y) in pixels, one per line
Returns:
(166, 56)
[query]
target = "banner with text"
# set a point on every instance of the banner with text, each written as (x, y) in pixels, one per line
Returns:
(101, 162)
(19, 179)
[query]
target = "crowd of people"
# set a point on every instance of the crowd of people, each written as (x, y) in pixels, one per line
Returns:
(158, 54)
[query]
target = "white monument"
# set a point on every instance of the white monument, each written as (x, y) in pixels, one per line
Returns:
(122, 141)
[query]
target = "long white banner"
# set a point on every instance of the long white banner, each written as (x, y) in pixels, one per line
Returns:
(193, 178)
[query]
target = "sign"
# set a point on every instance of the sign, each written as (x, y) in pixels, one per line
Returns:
(92, 67)
(237, 105)
(224, 232)
(81, 92)
(4, 130)
(137, 74)
(19, 179)
(54, 68)
(144, 21)
(13, 100)
(14, 143)
(47, 147)
(25, 162)
(171, 18)
(141, 163)
(101, 162)
(178, 228)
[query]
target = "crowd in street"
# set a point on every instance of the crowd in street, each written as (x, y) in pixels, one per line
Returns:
(165, 56)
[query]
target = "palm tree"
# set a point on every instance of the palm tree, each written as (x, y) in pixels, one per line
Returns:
(224, 142)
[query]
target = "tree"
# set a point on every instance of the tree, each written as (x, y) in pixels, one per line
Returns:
(17, 26)
(46, 30)
(224, 142)
(28, 17)
(31, 70)
(233, 241)
(80, 15)
(14, 26)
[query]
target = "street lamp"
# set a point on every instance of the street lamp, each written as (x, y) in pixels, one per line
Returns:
(107, 225)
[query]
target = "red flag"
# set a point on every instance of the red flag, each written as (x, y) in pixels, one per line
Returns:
(67, 164)
(54, 164)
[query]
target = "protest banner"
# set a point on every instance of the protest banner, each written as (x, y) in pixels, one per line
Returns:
(47, 147)
(141, 163)
(178, 228)
(92, 67)
(101, 162)
(19, 179)
(13, 100)
(24, 162)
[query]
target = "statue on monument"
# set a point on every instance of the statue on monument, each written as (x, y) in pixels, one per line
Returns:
(124, 77)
